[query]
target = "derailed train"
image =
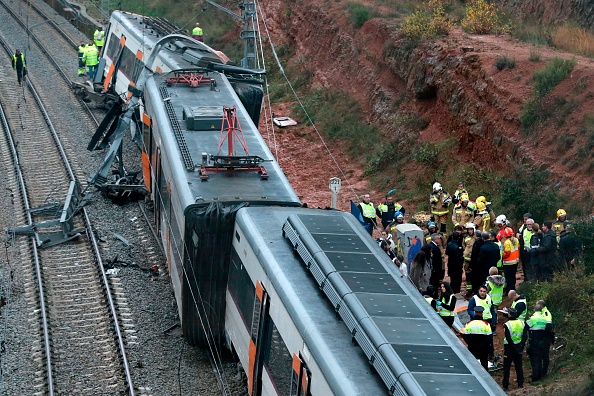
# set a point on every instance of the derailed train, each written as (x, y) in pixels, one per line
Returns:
(305, 298)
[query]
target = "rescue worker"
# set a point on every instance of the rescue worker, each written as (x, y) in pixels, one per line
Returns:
(464, 211)
(446, 304)
(540, 334)
(368, 212)
(569, 247)
(458, 194)
(515, 337)
(19, 64)
(467, 246)
(198, 33)
(91, 59)
(518, 303)
(501, 223)
(479, 337)
(386, 211)
(482, 218)
(495, 285)
(545, 311)
(439, 202)
(482, 299)
(524, 236)
(99, 39)
(559, 224)
(490, 211)
(511, 258)
(81, 64)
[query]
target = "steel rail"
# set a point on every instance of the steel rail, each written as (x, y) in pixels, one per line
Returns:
(113, 310)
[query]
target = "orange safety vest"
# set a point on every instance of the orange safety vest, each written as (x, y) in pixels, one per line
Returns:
(511, 251)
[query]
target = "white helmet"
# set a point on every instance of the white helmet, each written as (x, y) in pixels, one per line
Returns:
(436, 186)
(470, 225)
(501, 219)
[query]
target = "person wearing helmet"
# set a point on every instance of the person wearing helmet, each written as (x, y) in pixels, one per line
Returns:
(490, 211)
(386, 210)
(467, 245)
(511, 257)
(515, 337)
(482, 218)
(559, 224)
(459, 192)
(464, 211)
(501, 223)
(440, 201)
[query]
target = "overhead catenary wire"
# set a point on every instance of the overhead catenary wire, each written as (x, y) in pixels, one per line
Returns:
(282, 71)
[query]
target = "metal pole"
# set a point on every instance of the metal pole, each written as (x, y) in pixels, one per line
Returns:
(334, 199)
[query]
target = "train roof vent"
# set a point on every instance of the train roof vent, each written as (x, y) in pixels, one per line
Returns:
(203, 118)
(386, 315)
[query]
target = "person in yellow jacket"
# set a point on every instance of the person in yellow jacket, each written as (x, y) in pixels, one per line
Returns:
(479, 337)
(368, 211)
(482, 218)
(198, 33)
(99, 38)
(440, 201)
(467, 245)
(91, 59)
(559, 224)
(515, 337)
(464, 211)
(81, 64)
(19, 64)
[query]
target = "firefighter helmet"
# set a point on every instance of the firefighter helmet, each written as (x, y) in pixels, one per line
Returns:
(481, 207)
(437, 186)
(464, 197)
(508, 232)
(470, 225)
(501, 219)
(561, 212)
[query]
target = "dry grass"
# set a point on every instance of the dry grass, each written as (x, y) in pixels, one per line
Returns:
(573, 39)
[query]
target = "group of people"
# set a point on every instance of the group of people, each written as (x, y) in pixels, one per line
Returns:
(484, 250)
(88, 54)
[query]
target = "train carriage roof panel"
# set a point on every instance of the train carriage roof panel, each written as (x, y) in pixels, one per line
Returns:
(388, 317)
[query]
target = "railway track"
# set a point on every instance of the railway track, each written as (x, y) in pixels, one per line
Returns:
(79, 321)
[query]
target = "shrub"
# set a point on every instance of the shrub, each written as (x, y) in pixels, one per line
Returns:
(359, 14)
(483, 17)
(573, 39)
(556, 70)
(532, 113)
(534, 55)
(502, 62)
(427, 23)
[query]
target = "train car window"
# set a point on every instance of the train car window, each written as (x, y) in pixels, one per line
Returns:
(279, 363)
(127, 63)
(241, 288)
(300, 377)
(136, 69)
(112, 47)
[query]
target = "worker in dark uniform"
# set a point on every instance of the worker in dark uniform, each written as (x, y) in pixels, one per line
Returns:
(479, 337)
(540, 333)
(19, 64)
(81, 53)
(516, 334)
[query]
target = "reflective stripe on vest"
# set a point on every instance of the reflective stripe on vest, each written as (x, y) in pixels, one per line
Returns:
(428, 299)
(516, 329)
(496, 293)
(547, 314)
(500, 262)
(537, 321)
(477, 327)
(522, 315)
(368, 210)
(514, 252)
(445, 312)
(486, 304)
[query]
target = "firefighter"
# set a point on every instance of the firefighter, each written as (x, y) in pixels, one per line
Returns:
(440, 201)
(81, 53)
(467, 245)
(464, 211)
(99, 38)
(458, 194)
(559, 224)
(482, 218)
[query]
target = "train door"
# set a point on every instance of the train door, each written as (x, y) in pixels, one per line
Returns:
(261, 333)
(300, 378)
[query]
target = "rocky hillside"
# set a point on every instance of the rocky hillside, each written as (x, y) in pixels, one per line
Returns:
(454, 84)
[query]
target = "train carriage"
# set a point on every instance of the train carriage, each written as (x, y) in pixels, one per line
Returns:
(306, 299)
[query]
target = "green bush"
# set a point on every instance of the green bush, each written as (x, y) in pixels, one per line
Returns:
(556, 70)
(502, 62)
(532, 113)
(359, 13)
(428, 22)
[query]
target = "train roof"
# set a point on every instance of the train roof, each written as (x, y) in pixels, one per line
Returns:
(330, 343)
(403, 338)
(189, 121)
(408, 344)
